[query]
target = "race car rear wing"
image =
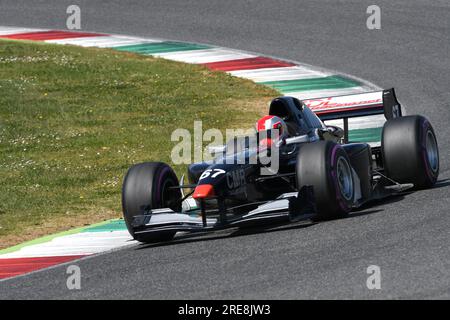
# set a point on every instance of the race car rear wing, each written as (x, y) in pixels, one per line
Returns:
(356, 105)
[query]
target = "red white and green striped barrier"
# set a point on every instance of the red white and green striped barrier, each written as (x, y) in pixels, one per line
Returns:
(289, 78)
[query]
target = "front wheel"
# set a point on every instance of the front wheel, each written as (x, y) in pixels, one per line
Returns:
(325, 166)
(410, 151)
(147, 185)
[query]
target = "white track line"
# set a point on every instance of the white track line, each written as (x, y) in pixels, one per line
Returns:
(83, 243)
(204, 56)
(4, 31)
(102, 41)
(279, 74)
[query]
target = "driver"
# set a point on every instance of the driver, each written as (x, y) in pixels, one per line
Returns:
(267, 124)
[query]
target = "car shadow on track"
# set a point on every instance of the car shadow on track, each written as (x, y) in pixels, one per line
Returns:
(363, 210)
(376, 203)
(242, 232)
(441, 184)
(229, 233)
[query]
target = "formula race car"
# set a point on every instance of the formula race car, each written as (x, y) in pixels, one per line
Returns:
(321, 174)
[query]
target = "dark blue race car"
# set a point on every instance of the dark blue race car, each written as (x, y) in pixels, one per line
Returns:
(320, 174)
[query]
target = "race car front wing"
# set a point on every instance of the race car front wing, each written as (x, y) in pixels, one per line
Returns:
(288, 207)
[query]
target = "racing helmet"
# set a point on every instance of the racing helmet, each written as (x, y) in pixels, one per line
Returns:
(268, 123)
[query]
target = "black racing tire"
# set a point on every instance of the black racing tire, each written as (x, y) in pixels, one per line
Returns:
(146, 185)
(410, 151)
(325, 166)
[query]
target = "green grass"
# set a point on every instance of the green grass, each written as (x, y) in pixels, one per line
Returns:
(73, 120)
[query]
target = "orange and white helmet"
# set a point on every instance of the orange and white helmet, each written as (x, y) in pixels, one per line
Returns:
(269, 122)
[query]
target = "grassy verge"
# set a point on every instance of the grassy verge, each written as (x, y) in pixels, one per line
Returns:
(72, 120)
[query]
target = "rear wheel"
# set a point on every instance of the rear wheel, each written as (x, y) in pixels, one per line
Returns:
(147, 185)
(325, 166)
(410, 151)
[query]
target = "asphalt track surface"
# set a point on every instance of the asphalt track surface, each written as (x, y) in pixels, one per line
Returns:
(408, 238)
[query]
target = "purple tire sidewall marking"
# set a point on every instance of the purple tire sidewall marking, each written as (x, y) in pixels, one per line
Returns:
(158, 187)
(341, 203)
(425, 127)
